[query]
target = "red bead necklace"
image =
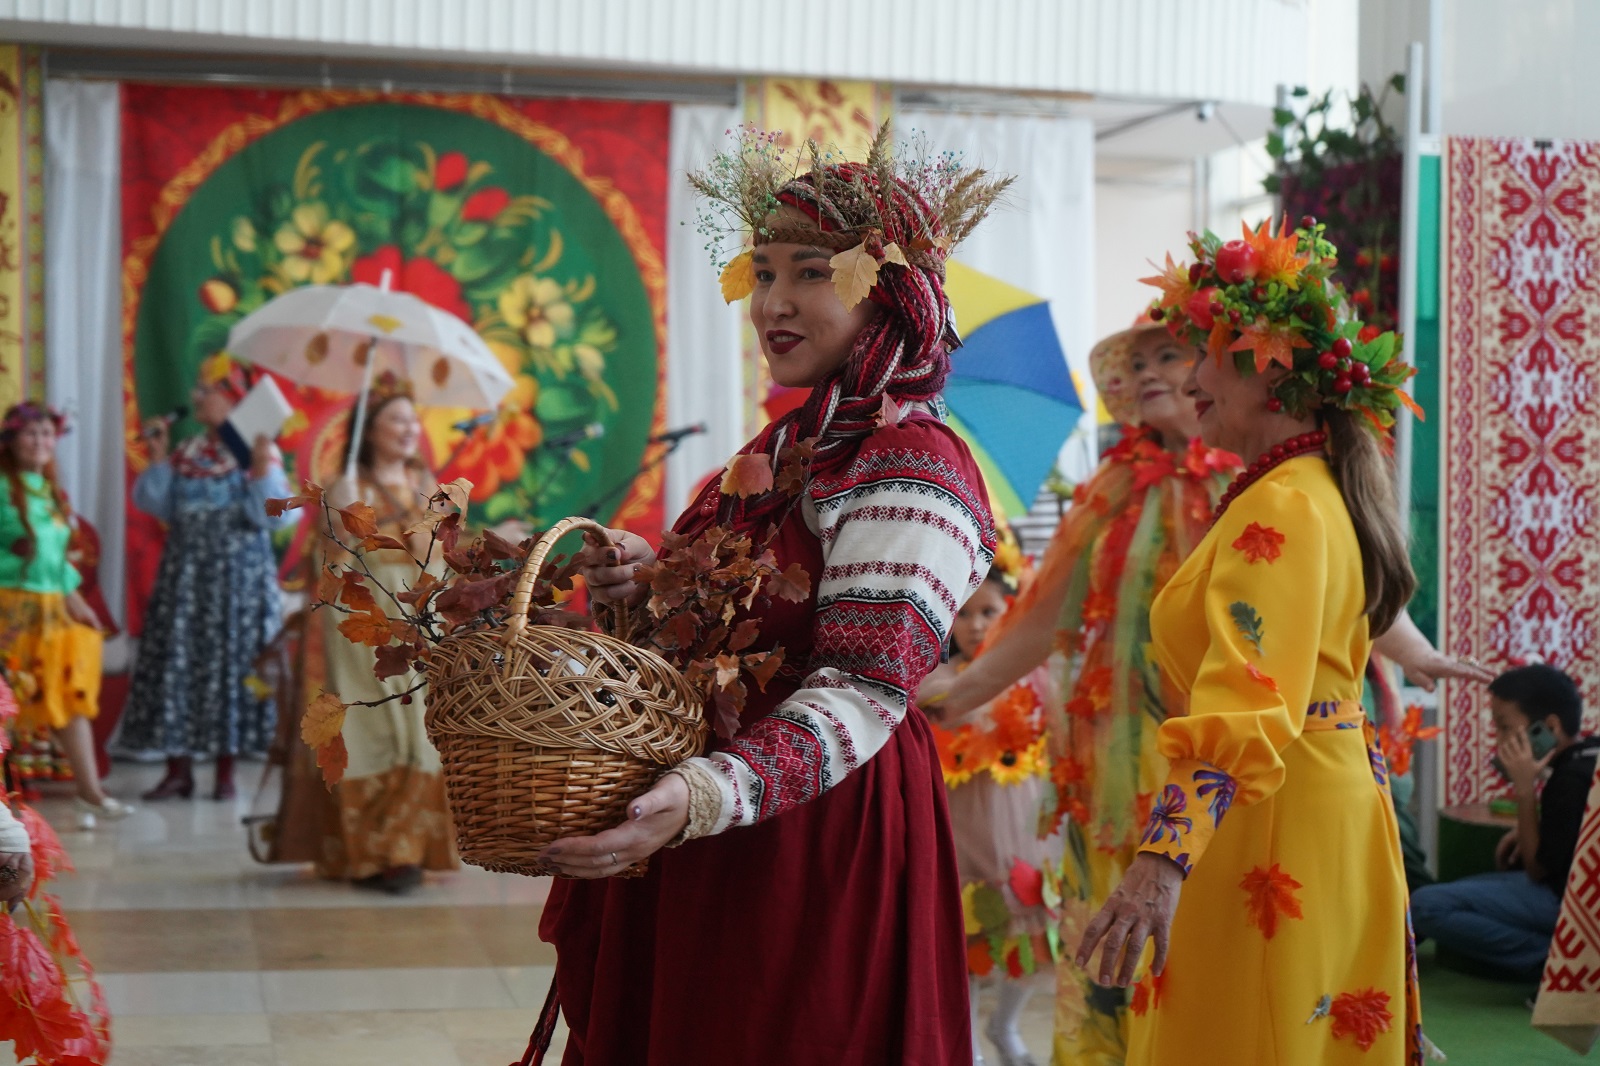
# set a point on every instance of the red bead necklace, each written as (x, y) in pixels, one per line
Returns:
(1304, 444)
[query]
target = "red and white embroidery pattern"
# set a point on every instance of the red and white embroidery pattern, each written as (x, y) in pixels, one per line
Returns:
(1522, 436)
(1569, 995)
(905, 540)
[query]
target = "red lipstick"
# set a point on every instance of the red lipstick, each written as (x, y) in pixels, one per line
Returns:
(781, 341)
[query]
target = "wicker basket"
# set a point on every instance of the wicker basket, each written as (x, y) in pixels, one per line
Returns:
(548, 732)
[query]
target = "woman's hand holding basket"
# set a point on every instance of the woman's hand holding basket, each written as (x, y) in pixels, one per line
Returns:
(609, 570)
(654, 819)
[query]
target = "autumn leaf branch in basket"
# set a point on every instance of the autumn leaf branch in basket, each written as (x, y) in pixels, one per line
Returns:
(475, 594)
(700, 586)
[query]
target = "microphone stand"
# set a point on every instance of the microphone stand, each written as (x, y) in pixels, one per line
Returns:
(667, 448)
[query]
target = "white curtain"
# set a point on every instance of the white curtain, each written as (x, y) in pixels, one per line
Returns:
(705, 374)
(1042, 238)
(83, 311)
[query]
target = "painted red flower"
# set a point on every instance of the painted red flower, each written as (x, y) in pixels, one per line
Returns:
(1361, 1016)
(422, 278)
(450, 171)
(485, 205)
(494, 454)
(1259, 543)
(1027, 884)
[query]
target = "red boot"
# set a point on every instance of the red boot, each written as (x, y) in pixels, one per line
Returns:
(224, 789)
(179, 780)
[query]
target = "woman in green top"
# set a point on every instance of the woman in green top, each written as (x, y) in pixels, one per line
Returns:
(50, 638)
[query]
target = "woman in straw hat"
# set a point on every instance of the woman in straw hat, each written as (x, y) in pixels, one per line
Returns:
(1129, 527)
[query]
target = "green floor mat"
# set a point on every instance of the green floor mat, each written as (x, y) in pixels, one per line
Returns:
(1479, 1022)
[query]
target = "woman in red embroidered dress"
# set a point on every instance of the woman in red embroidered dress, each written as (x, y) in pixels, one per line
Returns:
(812, 913)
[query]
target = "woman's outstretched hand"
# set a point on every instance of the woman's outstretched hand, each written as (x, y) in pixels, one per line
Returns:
(1140, 909)
(610, 569)
(653, 819)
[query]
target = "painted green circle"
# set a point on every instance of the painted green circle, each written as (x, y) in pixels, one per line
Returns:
(378, 170)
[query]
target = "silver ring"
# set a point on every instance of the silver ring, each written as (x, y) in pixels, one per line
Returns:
(1469, 660)
(9, 875)
(614, 859)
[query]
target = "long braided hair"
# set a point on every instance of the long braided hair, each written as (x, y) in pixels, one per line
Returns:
(903, 353)
(17, 418)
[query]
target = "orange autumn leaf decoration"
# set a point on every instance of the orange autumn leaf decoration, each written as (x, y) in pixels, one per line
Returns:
(738, 278)
(1259, 677)
(1361, 1016)
(1400, 741)
(747, 475)
(1279, 261)
(979, 962)
(323, 720)
(369, 627)
(1272, 893)
(360, 521)
(1173, 281)
(1217, 340)
(1272, 342)
(332, 758)
(1260, 543)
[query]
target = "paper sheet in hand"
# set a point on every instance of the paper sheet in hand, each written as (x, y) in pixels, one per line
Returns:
(261, 413)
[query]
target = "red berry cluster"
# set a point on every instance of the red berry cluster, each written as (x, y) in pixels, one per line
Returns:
(1304, 444)
(1341, 372)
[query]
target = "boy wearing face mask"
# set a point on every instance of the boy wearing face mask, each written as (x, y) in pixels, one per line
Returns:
(1506, 919)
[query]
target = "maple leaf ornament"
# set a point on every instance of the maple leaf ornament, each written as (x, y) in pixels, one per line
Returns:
(1272, 342)
(1271, 895)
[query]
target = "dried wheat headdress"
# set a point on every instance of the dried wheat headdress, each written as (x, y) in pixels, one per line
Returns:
(904, 206)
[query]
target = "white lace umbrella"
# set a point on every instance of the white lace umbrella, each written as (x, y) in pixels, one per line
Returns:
(337, 337)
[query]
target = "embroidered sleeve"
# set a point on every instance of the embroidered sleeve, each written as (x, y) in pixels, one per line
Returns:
(906, 537)
(1264, 606)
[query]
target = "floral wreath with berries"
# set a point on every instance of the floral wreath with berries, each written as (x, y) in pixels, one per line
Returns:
(1269, 298)
(24, 414)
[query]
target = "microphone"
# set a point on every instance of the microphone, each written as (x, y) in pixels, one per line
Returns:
(592, 431)
(467, 425)
(177, 414)
(673, 436)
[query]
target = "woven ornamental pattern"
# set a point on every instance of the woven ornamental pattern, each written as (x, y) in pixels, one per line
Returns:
(1521, 440)
(547, 732)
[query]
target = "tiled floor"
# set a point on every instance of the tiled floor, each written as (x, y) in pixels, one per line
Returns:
(209, 959)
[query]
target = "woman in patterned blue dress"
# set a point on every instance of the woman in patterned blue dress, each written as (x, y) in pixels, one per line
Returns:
(216, 600)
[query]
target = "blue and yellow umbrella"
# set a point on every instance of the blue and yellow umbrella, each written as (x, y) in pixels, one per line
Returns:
(1010, 393)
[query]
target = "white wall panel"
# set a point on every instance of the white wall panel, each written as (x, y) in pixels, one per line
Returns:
(1236, 50)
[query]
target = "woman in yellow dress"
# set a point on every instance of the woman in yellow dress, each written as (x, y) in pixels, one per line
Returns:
(1269, 876)
(1131, 523)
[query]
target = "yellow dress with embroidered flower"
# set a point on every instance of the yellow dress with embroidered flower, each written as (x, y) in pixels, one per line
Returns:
(1291, 942)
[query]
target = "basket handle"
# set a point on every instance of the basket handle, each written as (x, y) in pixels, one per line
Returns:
(535, 562)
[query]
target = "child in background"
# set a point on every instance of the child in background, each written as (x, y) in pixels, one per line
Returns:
(1506, 919)
(997, 774)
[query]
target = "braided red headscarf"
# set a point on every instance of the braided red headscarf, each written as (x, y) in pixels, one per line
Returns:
(903, 353)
